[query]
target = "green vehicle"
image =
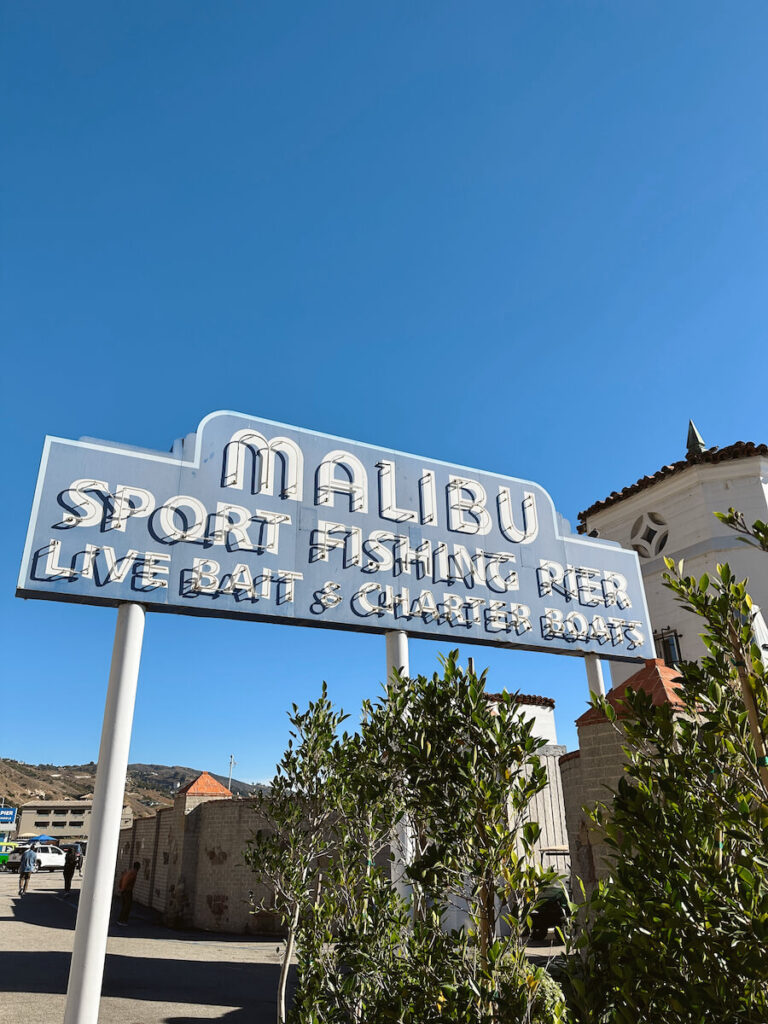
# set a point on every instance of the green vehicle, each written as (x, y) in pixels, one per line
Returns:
(5, 849)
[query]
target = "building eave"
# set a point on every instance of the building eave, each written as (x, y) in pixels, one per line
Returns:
(711, 456)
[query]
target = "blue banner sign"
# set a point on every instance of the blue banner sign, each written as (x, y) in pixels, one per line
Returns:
(257, 520)
(7, 815)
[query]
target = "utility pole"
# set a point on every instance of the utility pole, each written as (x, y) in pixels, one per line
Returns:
(232, 763)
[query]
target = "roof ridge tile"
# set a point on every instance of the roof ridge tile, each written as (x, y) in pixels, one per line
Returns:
(737, 450)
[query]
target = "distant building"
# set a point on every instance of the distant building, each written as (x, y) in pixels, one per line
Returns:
(205, 787)
(65, 820)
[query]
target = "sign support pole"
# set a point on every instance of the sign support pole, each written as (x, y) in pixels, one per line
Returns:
(594, 675)
(397, 652)
(87, 967)
(397, 661)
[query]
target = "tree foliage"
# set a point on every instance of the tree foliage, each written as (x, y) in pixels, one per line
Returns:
(424, 810)
(677, 933)
(299, 811)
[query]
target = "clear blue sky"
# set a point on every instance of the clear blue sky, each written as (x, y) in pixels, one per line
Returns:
(528, 237)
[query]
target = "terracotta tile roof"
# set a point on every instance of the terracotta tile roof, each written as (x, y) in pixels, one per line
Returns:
(204, 785)
(656, 678)
(570, 756)
(525, 698)
(739, 450)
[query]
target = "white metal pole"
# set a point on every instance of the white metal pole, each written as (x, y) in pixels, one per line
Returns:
(87, 967)
(397, 661)
(594, 675)
(397, 652)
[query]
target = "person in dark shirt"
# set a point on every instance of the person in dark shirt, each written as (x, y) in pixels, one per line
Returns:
(70, 863)
(125, 890)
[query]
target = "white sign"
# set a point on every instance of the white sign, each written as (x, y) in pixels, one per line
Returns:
(253, 519)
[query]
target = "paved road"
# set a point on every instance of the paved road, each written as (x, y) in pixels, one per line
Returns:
(153, 975)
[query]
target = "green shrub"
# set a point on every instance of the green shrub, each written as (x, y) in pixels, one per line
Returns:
(421, 778)
(530, 995)
(677, 933)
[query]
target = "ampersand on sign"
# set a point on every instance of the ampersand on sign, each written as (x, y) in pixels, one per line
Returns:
(327, 597)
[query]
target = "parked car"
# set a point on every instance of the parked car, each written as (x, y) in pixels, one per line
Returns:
(552, 910)
(49, 858)
(5, 850)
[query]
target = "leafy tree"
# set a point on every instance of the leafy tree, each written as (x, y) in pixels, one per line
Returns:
(466, 769)
(299, 809)
(432, 793)
(677, 932)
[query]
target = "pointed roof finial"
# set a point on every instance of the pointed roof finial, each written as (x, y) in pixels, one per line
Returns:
(695, 443)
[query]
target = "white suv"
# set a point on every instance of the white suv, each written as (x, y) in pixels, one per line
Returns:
(49, 858)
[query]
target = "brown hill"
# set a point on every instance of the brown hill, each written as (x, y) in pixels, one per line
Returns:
(148, 786)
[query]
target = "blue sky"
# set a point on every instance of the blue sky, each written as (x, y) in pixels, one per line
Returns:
(525, 237)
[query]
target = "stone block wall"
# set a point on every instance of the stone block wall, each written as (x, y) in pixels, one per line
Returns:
(161, 869)
(588, 774)
(224, 883)
(192, 867)
(144, 852)
(569, 775)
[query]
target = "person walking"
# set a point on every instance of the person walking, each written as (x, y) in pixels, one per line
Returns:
(70, 863)
(125, 891)
(27, 865)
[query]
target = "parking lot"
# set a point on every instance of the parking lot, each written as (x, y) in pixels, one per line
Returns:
(152, 975)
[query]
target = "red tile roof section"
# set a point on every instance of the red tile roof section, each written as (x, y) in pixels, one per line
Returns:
(204, 785)
(656, 678)
(570, 756)
(739, 450)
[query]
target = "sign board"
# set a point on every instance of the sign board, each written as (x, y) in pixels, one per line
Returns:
(257, 520)
(7, 815)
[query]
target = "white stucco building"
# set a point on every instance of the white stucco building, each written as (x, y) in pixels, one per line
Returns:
(671, 513)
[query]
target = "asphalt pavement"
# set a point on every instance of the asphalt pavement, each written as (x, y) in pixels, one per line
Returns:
(152, 975)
